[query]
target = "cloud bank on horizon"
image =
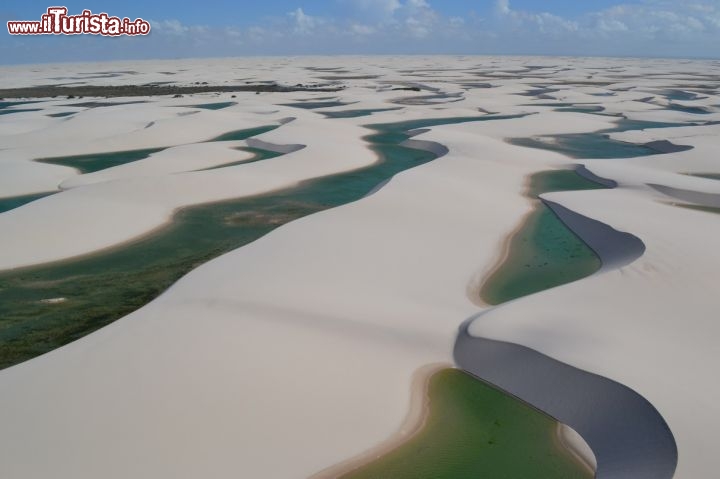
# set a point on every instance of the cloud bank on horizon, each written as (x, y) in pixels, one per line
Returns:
(680, 28)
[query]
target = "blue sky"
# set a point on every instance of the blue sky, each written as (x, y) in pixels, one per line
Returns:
(675, 28)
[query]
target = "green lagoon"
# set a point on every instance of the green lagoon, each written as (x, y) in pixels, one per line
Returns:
(596, 145)
(12, 202)
(474, 431)
(543, 253)
(101, 161)
(213, 106)
(708, 176)
(355, 113)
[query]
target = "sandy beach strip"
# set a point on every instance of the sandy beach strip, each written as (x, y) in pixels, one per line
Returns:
(414, 422)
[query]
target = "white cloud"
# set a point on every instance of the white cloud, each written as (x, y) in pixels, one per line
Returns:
(175, 27)
(303, 23)
(374, 9)
(418, 18)
(660, 19)
(503, 7)
(611, 25)
(362, 29)
(543, 22)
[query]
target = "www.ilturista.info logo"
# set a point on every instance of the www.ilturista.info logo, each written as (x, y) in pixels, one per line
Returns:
(57, 22)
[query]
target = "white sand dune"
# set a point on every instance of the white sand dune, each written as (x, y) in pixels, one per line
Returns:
(123, 203)
(296, 352)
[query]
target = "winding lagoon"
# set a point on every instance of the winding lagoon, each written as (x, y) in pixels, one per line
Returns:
(355, 113)
(100, 161)
(597, 145)
(543, 252)
(12, 202)
(708, 176)
(258, 154)
(46, 306)
(313, 105)
(6, 107)
(213, 106)
(628, 436)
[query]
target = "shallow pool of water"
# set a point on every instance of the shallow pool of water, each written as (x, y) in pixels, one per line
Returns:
(101, 161)
(10, 203)
(475, 431)
(354, 113)
(596, 145)
(543, 253)
(213, 106)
